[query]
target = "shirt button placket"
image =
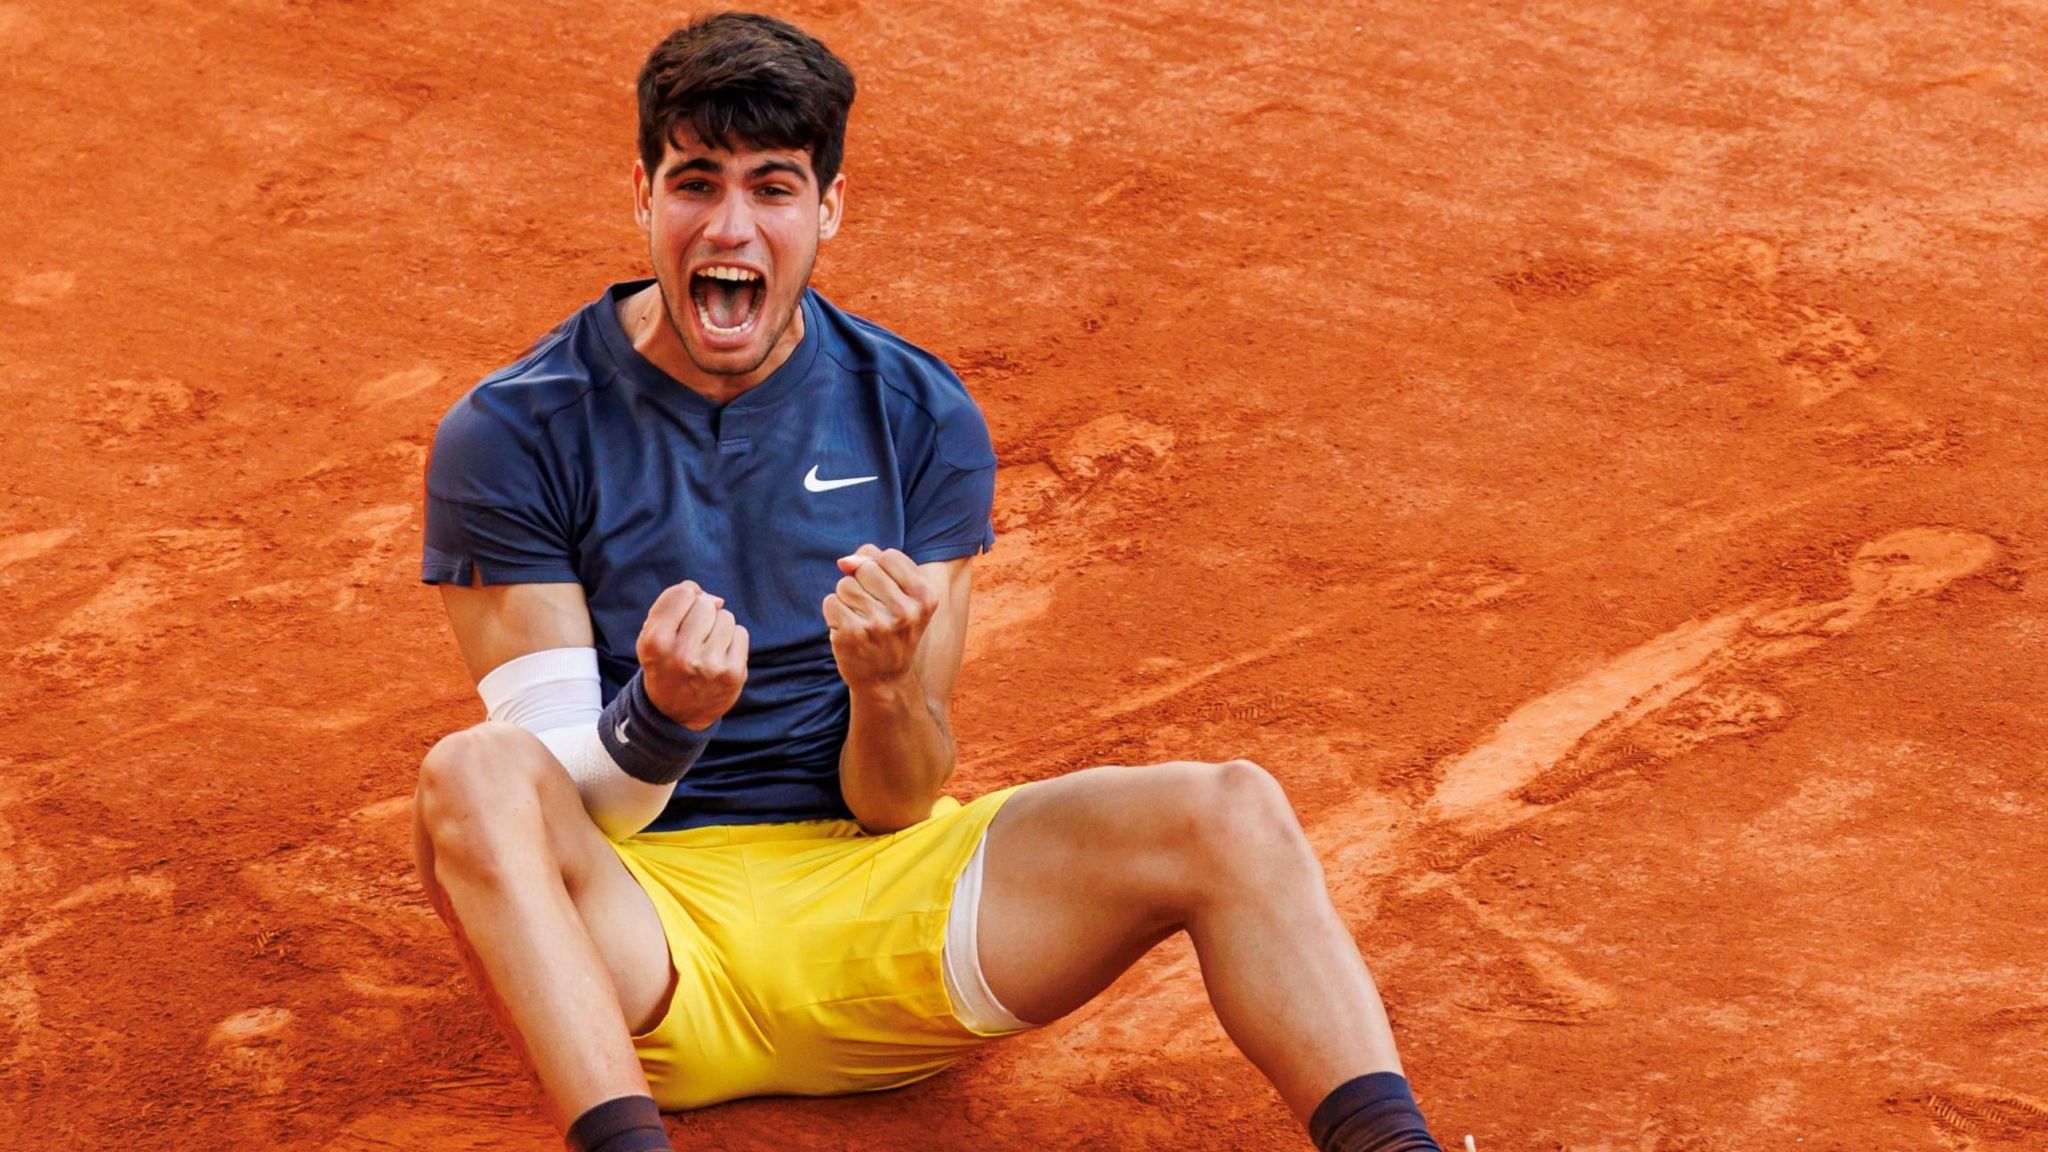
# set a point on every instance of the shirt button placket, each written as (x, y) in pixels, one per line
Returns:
(731, 429)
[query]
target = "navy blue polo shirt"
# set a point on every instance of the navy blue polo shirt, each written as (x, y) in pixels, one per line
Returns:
(585, 463)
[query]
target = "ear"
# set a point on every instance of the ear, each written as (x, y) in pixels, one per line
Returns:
(830, 205)
(643, 196)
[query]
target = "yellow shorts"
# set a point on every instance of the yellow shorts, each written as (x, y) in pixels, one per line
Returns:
(808, 956)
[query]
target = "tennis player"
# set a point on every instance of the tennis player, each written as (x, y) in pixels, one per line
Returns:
(707, 550)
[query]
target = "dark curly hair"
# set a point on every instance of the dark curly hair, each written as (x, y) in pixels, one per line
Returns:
(740, 78)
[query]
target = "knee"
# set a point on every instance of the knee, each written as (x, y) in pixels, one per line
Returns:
(1239, 821)
(472, 778)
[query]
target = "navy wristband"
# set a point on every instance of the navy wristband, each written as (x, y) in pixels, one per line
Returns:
(643, 741)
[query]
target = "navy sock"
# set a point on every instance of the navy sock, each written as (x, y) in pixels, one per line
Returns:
(1373, 1113)
(627, 1124)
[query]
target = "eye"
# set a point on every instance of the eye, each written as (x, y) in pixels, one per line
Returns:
(776, 190)
(694, 187)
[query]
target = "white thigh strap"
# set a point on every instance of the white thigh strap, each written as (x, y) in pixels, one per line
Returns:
(973, 1003)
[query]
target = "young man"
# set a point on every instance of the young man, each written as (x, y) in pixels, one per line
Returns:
(707, 550)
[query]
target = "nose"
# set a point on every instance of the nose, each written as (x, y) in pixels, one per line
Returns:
(732, 221)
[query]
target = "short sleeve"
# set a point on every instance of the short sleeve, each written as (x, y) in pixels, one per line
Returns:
(950, 497)
(491, 515)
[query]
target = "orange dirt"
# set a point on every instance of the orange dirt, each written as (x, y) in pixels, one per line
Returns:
(1591, 453)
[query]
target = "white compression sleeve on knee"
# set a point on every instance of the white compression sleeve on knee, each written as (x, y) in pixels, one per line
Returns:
(556, 695)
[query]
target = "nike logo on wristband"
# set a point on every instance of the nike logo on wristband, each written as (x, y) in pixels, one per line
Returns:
(620, 733)
(813, 484)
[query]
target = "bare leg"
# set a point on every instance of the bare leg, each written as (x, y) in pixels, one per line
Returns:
(1087, 872)
(565, 946)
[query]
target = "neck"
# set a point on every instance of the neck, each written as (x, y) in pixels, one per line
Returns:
(644, 316)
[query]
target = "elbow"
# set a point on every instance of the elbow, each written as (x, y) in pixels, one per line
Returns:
(879, 815)
(882, 819)
(893, 799)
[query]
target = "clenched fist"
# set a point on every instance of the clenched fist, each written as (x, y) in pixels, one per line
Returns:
(877, 614)
(693, 655)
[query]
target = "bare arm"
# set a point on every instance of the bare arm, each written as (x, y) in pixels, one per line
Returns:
(506, 621)
(898, 633)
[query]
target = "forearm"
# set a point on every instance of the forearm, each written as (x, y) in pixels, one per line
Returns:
(899, 752)
(617, 803)
(555, 695)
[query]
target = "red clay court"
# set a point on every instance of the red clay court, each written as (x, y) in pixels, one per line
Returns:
(1591, 453)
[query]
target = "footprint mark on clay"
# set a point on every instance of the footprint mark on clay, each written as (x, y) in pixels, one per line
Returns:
(1822, 351)
(251, 1051)
(362, 552)
(1449, 853)
(1513, 988)
(1581, 770)
(1052, 512)
(374, 533)
(1639, 711)
(1258, 708)
(20, 980)
(116, 411)
(127, 609)
(1973, 1114)
(397, 386)
(25, 546)
(2012, 1019)
(1631, 715)
(1981, 76)
(359, 878)
(37, 288)
(1519, 978)
(1703, 714)
(1554, 278)
(1679, 690)
(1451, 587)
(1100, 450)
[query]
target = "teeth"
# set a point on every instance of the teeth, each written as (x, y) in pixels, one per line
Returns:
(721, 272)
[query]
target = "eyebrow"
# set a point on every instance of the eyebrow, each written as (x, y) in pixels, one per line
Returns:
(764, 168)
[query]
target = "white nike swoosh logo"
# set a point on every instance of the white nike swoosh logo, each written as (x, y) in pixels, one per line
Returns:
(620, 732)
(813, 484)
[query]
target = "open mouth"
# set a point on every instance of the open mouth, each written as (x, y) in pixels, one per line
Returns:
(728, 300)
